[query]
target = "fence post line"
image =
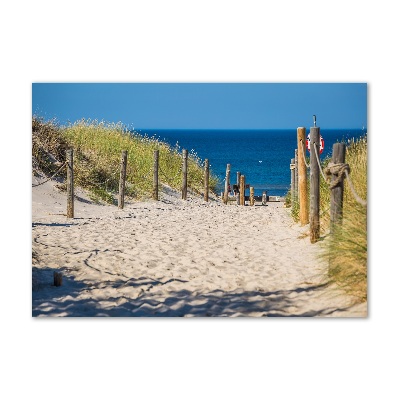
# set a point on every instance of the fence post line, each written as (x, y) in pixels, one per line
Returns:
(251, 195)
(206, 179)
(292, 185)
(296, 174)
(314, 185)
(302, 171)
(122, 177)
(338, 157)
(242, 186)
(155, 174)
(227, 182)
(184, 173)
(70, 183)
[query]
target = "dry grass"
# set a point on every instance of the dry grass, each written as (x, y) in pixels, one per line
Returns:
(346, 249)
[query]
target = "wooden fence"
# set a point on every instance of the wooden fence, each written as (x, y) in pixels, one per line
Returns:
(337, 169)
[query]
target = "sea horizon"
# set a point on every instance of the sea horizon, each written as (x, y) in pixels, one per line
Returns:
(262, 155)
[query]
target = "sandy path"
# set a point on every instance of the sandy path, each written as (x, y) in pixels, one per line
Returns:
(176, 258)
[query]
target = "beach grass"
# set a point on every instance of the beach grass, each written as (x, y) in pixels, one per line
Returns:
(345, 249)
(97, 155)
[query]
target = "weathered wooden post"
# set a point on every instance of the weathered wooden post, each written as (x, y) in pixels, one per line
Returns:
(264, 198)
(122, 178)
(314, 185)
(184, 173)
(242, 188)
(206, 179)
(57, 278)
(155, 174)
(238, 188)
(70, 183)
(251, 195)
(302, 171)
(296, 175)
(227, 182)
(292, 186)
(338, 157)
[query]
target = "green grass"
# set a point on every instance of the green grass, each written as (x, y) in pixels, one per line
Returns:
(345, 250)
(97, 156)
(346, 247)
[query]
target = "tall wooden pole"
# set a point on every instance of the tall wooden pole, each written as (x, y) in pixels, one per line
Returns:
(155, 174)
(238, 188)
(242, 189)
(251, 195)
(227, 182)
(70, 183)
(184, 173)
(206, 179)
(314, 185)
(122, 178)
(338, 157)
(302, 171)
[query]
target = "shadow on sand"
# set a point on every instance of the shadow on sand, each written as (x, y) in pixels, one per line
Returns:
(74, 299)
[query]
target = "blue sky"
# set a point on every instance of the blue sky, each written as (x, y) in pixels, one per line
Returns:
(205, 105)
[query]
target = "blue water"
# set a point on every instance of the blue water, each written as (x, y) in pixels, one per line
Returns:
(263, 156)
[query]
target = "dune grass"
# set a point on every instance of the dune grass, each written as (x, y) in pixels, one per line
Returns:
(345, 249)
(97, 155)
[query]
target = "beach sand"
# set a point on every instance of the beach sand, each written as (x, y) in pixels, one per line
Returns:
(176, 258)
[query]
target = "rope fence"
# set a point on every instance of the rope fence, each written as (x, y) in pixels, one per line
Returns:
(51, 177)
(153, 171)
(333, 174)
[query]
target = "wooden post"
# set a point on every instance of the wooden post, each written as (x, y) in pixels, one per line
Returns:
(264, 198)
(296, 175)
(314, 185)
(338, 157)
(206, 179)
(238, 186)
(251, 195)
(122, 178)
(292, 187)
(227, 182)
(184, 174)
(302, 171)
(242, 186)
(70, 183)
(155, 174)
(57, 278)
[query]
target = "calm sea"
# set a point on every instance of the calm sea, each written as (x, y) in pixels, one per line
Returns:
(263, 156)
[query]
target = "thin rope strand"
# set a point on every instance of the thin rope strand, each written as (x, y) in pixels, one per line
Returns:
(304, 156)
(62, 166)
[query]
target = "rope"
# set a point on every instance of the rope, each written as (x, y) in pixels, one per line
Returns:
(342, 170)
(62, 166)
(358, 198)
(319, 164)
(304, 156)
(336, 169)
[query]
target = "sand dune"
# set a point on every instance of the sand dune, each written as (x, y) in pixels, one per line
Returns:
(173, 258)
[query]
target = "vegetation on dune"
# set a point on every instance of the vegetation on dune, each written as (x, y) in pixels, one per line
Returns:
(97, 156)
(345, 249)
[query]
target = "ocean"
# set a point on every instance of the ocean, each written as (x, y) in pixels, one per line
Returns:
(263, 156)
